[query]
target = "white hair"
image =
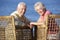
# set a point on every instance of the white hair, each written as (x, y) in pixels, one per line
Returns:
(41, 5)
(21, 3)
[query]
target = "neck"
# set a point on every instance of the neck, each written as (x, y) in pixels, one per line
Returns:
(44, 13)
(20, 15)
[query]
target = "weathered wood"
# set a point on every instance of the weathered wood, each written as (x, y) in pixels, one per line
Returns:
(23, 33)
(7, 28)
(42, 31)
(54, 16)
(53, 28)
(2, 33)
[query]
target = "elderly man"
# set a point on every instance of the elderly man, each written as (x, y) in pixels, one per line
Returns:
(20, 19)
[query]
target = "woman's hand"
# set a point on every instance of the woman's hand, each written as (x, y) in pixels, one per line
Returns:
(31, 24)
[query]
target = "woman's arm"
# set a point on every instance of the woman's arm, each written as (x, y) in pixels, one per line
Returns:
(36, 23)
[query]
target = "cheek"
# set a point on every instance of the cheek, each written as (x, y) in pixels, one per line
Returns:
(23, 10)
(19, 10)
(40, 13)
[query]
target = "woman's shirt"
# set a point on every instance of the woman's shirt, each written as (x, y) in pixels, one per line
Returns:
(42, 18)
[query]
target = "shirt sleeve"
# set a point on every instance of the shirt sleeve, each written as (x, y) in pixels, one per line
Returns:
(13, 14)
(26, 20)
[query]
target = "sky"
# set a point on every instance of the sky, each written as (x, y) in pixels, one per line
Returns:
(8, 6)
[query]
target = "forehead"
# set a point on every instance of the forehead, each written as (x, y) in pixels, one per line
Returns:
(21, 6)
(37, 7)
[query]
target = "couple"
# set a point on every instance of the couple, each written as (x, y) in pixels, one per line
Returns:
(23, 21)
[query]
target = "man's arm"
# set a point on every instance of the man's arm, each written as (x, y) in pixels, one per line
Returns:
(26, 21)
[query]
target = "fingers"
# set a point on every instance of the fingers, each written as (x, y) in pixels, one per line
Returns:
(31, 25)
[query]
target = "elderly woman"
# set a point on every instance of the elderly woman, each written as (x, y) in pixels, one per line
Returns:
(41, 10)
(20, 19)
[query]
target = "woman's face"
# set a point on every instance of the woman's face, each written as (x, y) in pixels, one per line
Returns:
(39, 10)
(21, 10)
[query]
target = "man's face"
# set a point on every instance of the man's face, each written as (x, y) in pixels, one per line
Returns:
(21, 10)
(39, 10)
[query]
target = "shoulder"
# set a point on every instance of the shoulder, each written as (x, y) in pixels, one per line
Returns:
(13, 13)
(48, 12)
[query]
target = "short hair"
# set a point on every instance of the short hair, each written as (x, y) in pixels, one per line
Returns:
(21, 3)
(41, 5)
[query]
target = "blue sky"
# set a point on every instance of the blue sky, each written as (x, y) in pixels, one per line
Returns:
(8, 6)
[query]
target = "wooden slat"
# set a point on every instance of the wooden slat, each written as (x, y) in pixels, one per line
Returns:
(54, 16)
(53, 28)
(7, 23)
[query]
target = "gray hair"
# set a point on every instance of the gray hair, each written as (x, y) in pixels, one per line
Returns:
(41, 5)
(21, 3)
